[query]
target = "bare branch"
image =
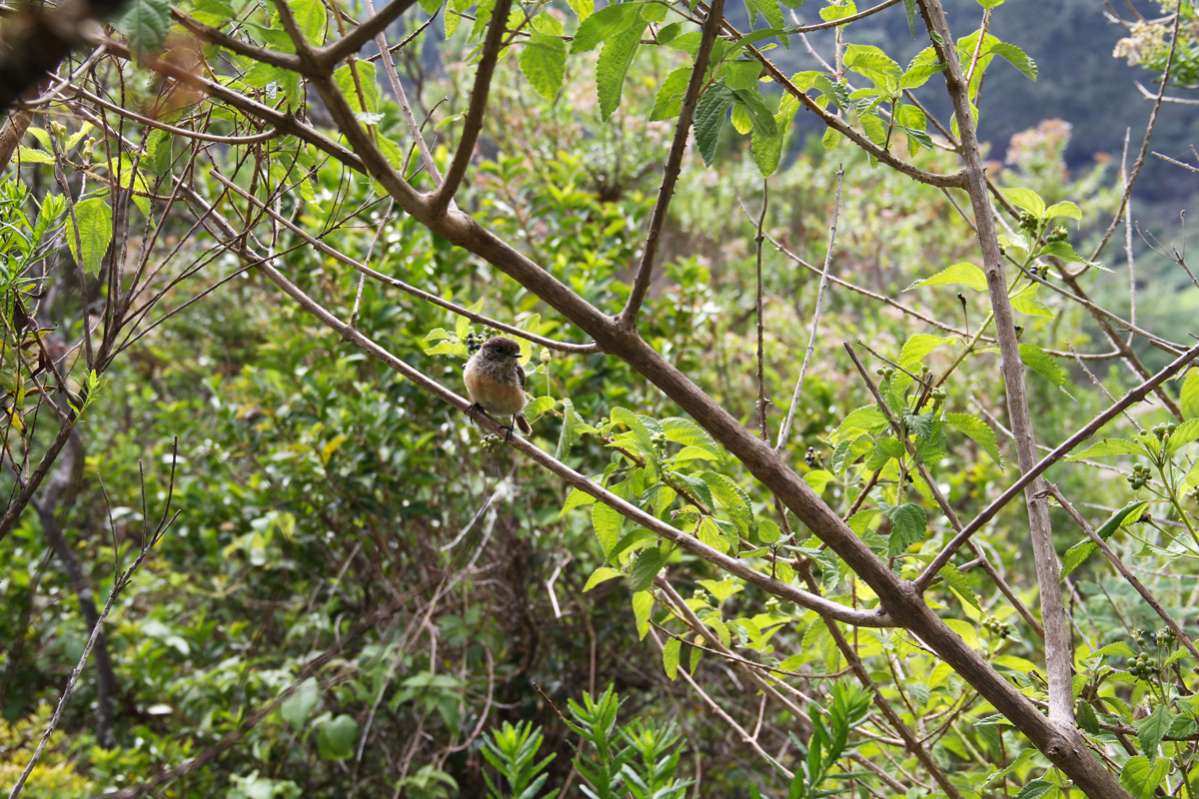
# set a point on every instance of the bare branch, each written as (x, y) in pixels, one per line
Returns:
(785, 431)
(473, 123)
(1060, 451)
(674, 161)
(1058, 645)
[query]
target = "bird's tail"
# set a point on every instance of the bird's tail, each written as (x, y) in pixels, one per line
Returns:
(523, 424)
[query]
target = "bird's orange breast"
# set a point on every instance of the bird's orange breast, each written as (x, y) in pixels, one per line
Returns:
(495, 396)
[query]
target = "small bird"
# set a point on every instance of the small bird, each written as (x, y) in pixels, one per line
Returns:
(496, 382)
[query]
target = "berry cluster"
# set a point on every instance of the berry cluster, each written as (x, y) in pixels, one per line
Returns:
(1140, 477)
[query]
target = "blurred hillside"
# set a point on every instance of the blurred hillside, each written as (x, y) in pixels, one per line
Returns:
(1080, 81)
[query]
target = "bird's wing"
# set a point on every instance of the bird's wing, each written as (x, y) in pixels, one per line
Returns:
(520, 376)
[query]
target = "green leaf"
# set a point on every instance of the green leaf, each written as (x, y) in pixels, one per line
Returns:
(601, 575)
(367, 101)
(991, 3)
(1183, 434)
(1043, 364)
(761, 117)
(1107, 448)
(1016, 57)
(543, 61)
(310, 17)
(29, 155)
(296, 709)
(978, 431)
(1026, 200)
(731, 499)
(669, 102)
(770, 11)
(1131, 513)
(645, 568)
(921, 68)
(643, 603)
(838, 10)
(1153, 728)
(604, 24)
(613, 65)
(1038, 787)
(568, 434)
(1026, 301)
(582, 8)
(608, 524)
(1064, 209)
(962, 273)
(670, 658)
(710, 113)
(1189, 398)
(145, 24)
(960, 585)
(875, 65)
(908, 523)
(917, 348)
(89, 232)
(335, 738)
(1077, 554)
(1142, 776)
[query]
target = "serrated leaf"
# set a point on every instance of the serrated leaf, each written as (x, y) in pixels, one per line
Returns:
(645, 568)
(1142, 776)
(1153, 728)
(543, 62)
(1027, 302)
(310, 17)
(1038, 787)
(917, 348)
(145, 24)
(977, 431)
(1183, 434)
(961, 586)
(1077, 554)
(962, 273)
(89, 232)
(908, 524)
(710, 113)
(368, 100)
(1189, 397)
(669, 101)
(613, 65)
(670, 658)
(731, 499)
(1064, 209)
(643, 603)
(1043, 364)
(29, 155)
(1015, 56)
(608, 524)
(604, 24)
(1107, 448)
(601, 575)
(1026, 200)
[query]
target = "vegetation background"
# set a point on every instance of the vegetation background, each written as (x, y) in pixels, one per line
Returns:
(316, 577)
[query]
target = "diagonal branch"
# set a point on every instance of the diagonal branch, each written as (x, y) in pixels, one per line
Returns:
(353, 41)
(548, 343)
(674, 161)
(1058, 644)
(473, 124)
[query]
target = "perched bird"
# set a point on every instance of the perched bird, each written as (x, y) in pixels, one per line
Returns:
(496, 383)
